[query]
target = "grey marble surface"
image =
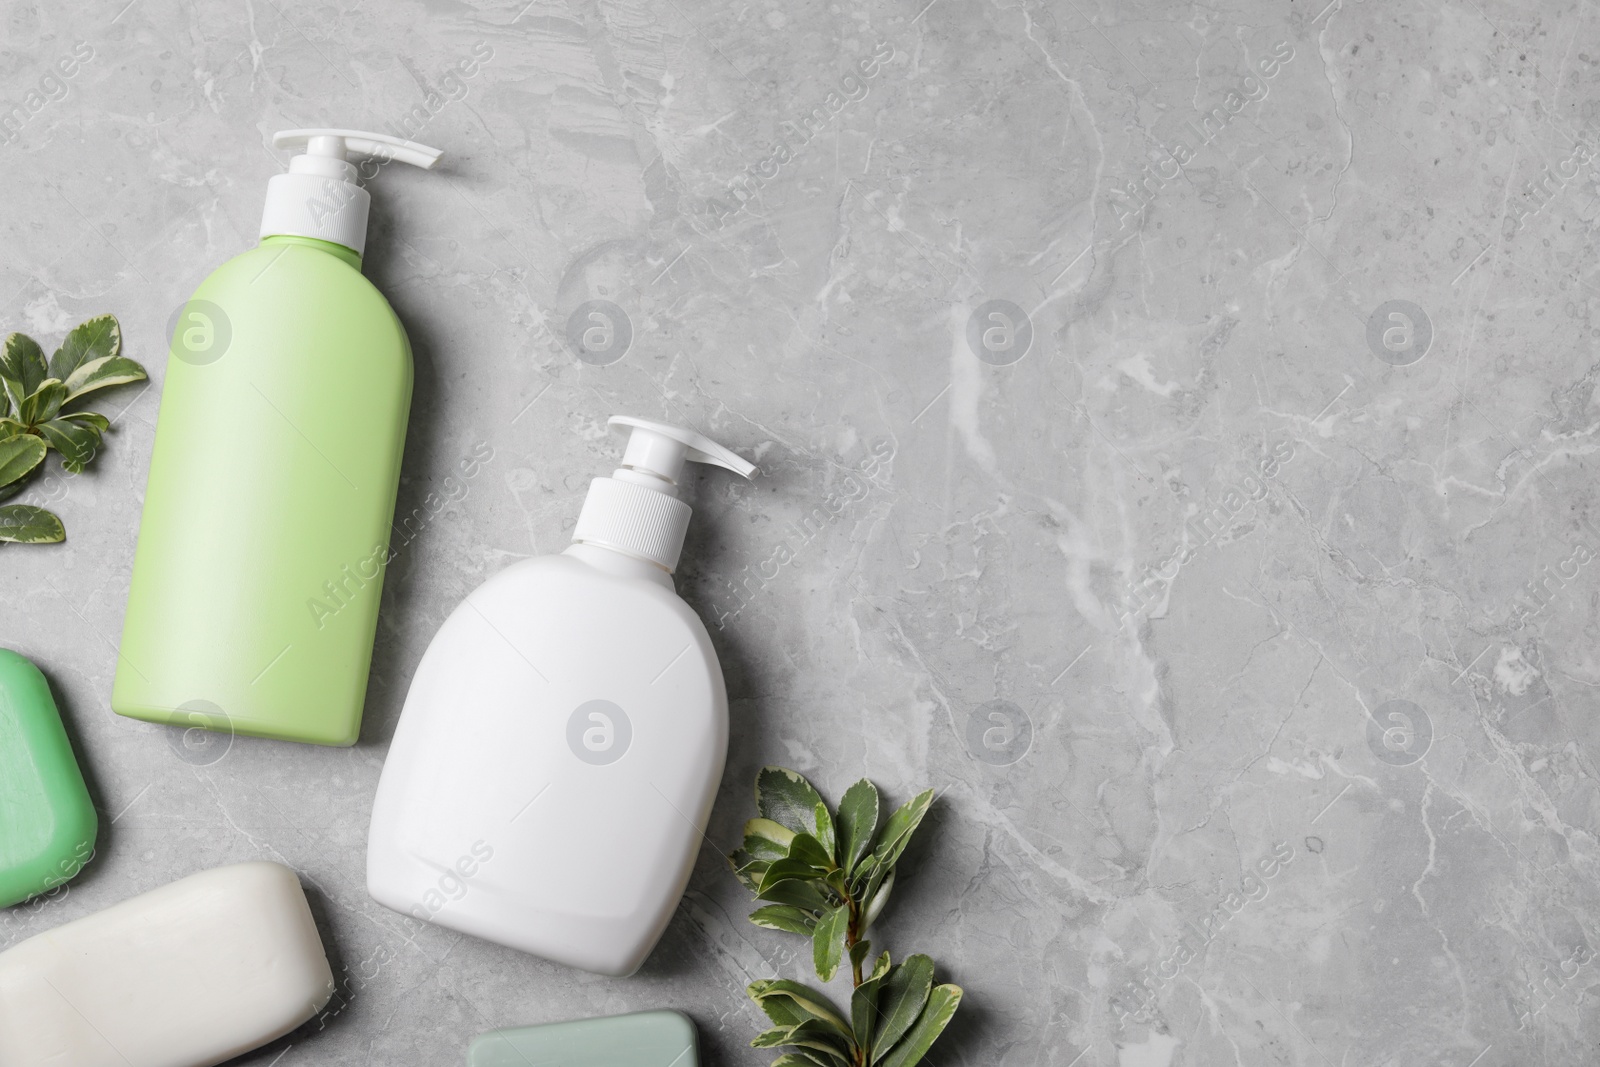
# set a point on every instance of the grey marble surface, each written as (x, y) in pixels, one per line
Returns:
(1229, 580)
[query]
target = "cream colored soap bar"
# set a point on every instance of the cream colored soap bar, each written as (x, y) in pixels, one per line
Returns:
(188, 975)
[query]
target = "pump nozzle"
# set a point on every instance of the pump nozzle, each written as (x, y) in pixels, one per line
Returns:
(319, 196)
(659, 449)
(343, 144)
(637, 510)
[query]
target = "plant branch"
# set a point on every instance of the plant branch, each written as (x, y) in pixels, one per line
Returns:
(827, 875)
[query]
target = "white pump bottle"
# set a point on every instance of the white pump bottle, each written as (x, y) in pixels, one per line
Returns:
(555, 763)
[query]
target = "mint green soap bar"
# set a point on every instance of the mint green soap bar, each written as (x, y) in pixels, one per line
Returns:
(643, 1039)
(47, 823)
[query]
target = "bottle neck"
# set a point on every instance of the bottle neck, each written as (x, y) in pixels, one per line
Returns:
(622, 515)
(348, 255)
(612, 561)
(326, 209)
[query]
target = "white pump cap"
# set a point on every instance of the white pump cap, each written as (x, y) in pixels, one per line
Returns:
(319, 196)
(637, 510)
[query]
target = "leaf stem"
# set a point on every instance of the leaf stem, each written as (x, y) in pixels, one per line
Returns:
(852, 937)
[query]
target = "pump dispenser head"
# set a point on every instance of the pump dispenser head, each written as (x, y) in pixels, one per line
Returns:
(319, 196)
(637, 510)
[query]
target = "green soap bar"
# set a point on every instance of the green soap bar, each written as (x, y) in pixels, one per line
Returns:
(643, 1039)
(47, 823)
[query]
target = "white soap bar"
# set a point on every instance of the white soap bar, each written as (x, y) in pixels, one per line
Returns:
(188, 975)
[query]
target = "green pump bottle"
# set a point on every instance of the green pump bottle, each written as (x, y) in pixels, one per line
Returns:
(265, 532)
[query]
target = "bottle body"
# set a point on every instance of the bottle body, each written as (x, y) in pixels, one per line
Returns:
(256, 580)
(554, 767)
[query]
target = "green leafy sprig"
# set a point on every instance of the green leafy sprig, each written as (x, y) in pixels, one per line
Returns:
(33, 395)
(828, 875)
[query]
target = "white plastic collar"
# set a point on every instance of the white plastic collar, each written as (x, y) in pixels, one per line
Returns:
(637, 510)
